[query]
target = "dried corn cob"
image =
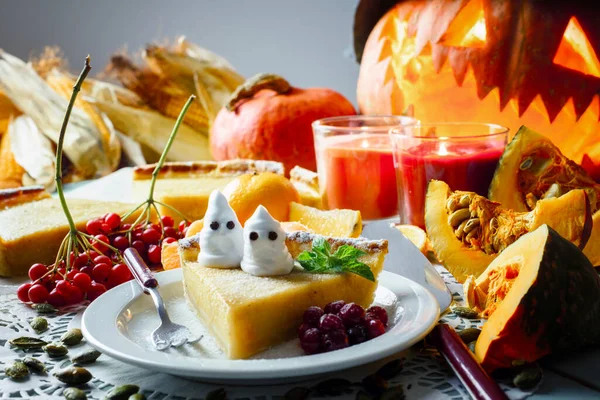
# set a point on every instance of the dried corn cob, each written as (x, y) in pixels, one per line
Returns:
(159, 92)
(105, 91)
(11, 173)
(7, 111)
(63, 85)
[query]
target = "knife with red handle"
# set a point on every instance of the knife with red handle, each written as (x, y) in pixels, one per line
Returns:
(477, 382)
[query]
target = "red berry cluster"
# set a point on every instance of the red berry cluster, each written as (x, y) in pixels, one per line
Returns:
(147, 238)
(340, 325)
(99, 268)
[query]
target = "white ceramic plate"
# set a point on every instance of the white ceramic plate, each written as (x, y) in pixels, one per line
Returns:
(119, 324)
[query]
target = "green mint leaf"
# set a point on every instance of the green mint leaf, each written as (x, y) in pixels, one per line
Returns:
(360, 269)
(345, 259)
(346, 252)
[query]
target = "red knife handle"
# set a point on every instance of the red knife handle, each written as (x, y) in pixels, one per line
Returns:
(139, 269)
(477, 382)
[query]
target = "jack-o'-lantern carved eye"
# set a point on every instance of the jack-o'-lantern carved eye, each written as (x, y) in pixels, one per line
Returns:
(468, 28)
(576, 52)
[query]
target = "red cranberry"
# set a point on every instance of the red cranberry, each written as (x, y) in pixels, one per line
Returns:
(93, 226)
(330, 322)
(334, 340)
(81, 260)
(334, 307)
(121, 242)
(357, 334)
(36, 271)
(351, 314)
(376, 312)
(312, 315)
(154, 253)
(375, 328)
(311, 341)
(140, 247)
(112, 220)
(151, 236)
(171, 232)
(56, 299)
(302, 329)
(167, 220)
(38, 293)
(22, 292)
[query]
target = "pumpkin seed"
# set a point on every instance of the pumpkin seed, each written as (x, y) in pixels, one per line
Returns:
(39, 324)
(86, 357)
(528, 378)
(122, 392)
(73, 376)
(137, 396)
(72, 337)
(297, 393)
(465, 312)
(471, 235)
(460, 231)
(465, 200)
(469, 335)
(34, 365)
(452, 204)
(471, 346)
(219, 394)
(44, 308)
(526, 164)
(55, 350)
(471, 224)
(458, 216)
(74, 394)
(17, 371)
(27, 343)
(553, 191)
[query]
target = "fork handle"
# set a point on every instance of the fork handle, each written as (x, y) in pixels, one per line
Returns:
(139, 269)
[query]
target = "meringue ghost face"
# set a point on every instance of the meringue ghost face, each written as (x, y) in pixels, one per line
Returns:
(265, 252)
(221, 237)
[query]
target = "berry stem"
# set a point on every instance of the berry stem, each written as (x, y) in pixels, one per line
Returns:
(61, 139)
(163, 156)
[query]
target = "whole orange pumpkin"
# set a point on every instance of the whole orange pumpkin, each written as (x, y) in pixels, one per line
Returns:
(268, 119)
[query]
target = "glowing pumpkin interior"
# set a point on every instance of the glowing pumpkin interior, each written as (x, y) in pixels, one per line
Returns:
(434, 76)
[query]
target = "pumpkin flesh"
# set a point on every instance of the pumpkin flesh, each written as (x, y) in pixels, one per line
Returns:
(552, 305)
(492, 228)
(533, 168)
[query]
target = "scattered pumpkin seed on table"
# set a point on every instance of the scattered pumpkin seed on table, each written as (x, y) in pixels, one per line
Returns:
(73, 393)
(137, 396)
(122, 392)
(55, 350)
(27, 343)
(39, 324)
(44, 308)
(72, 337)
(73, 376)
(469, 335)
(34, 365)
(17, 371)
(86, 357)
(528, 378)
(465, 312)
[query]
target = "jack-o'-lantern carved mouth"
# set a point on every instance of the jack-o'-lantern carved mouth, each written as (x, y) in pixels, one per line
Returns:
(440, 53)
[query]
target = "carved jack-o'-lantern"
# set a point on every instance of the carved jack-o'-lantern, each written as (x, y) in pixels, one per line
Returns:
(513, 63)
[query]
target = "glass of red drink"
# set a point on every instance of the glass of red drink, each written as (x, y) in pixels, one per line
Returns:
(464, 155)
(355, 163)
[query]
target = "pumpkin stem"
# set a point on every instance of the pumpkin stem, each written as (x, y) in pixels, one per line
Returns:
(255, 84)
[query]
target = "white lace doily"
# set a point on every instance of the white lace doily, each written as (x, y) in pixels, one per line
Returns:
(425, 375)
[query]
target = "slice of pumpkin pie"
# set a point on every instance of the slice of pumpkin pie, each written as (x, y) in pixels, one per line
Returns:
(248, 314)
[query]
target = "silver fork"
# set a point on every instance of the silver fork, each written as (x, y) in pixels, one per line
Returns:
(168, 333)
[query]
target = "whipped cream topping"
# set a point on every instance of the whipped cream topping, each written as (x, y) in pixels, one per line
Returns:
(221, 237)
(265, 252)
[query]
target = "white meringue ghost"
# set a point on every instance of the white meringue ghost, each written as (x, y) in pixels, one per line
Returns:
(221, 237)
(265, 252)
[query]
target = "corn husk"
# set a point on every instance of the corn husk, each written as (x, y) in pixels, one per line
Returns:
(160, 92)
(63, 84)
(7, 111)
(133, 153)
(191, 66)
(152, 129)
(108, 92)
(11, 173)
(83, 144)
(33, 151)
